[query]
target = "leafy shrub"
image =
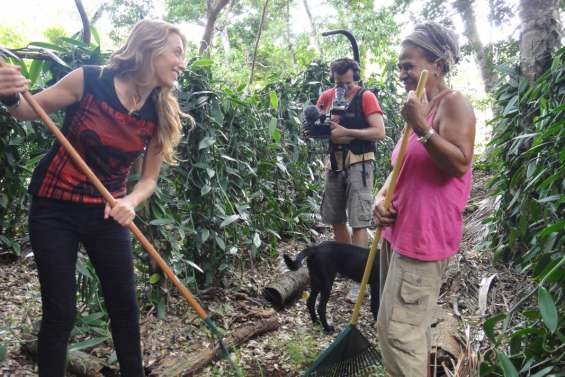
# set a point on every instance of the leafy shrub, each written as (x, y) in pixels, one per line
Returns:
(527, 226)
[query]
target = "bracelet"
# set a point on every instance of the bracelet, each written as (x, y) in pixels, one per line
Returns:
(424, 138)
(11, 100)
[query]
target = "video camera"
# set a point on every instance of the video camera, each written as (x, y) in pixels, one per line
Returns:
(317, 125)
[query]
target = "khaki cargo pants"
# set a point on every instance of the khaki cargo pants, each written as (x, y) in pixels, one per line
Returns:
(409, 292)
(347, 198)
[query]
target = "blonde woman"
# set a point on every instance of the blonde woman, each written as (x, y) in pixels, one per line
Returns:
(114, 114)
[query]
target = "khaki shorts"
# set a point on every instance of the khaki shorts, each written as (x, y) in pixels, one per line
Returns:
(409, 292)
(346, 198)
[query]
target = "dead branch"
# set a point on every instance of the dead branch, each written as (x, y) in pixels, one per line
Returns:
(198, 360)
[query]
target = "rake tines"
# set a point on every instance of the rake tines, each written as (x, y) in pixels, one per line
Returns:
(360, 365)
(350, 355)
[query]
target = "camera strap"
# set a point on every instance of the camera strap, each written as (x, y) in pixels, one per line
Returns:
(364, 172)
(333, 160)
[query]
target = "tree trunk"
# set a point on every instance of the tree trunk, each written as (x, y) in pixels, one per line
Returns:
(222, 28)
(212, 11)
(288, 35)
(313, 24)
(85, 23)
(465, 9)
(226, 44)
(540, 35)
(257, 41)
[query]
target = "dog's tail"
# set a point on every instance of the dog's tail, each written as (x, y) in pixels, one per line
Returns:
(295, 264)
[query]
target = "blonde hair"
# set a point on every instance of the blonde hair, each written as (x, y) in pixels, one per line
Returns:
(134, 60)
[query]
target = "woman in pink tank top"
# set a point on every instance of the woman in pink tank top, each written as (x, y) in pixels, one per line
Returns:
(424, 226)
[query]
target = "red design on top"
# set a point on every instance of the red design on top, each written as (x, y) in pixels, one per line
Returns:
(108, 140)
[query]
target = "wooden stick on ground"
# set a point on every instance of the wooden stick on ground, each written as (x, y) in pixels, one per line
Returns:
(195, 362)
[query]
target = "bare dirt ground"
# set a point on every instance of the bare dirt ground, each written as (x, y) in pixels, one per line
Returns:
(288, 350)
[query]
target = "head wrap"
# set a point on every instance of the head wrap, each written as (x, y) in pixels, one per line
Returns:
(436, 39)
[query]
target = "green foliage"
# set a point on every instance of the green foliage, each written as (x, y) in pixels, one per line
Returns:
(11, 38)
(125, 14)
(490, 55)
(385, 87)
(282, 51)
(302, 349)
(14, 168)
(527, 226)
(228, 370)
(528, 150)
(437, 10)
(88, 285)
(183, 10)
(55, 33)
(22, 144)
(90, 330)
(375, 30)
(246, 179)
(503, 53)
(500, 12)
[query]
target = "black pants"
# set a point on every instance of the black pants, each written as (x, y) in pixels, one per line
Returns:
(56, 228)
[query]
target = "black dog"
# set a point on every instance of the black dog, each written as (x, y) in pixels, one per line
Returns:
(324, 261)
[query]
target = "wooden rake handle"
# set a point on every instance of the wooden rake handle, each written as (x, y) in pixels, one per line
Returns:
(388, 201)
(110, 199)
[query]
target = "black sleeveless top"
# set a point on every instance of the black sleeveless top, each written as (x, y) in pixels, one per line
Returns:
(106, 136)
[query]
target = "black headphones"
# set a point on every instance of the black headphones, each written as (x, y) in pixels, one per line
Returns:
(344, 65)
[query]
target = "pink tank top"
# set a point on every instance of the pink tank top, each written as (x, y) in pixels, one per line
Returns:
(429, 205)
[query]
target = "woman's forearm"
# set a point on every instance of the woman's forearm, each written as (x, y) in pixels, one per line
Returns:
(142, 191)
(23, 111)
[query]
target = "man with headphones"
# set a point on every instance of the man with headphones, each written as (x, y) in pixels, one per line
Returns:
(348, 195)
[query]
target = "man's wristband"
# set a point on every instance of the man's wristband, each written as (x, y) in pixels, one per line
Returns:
(425, 137)
(11, 100)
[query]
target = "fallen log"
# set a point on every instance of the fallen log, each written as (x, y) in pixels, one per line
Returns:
(286, 288)
(195, 362)
(79, 363)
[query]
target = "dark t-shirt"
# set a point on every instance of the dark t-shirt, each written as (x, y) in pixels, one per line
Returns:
(106, 136)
